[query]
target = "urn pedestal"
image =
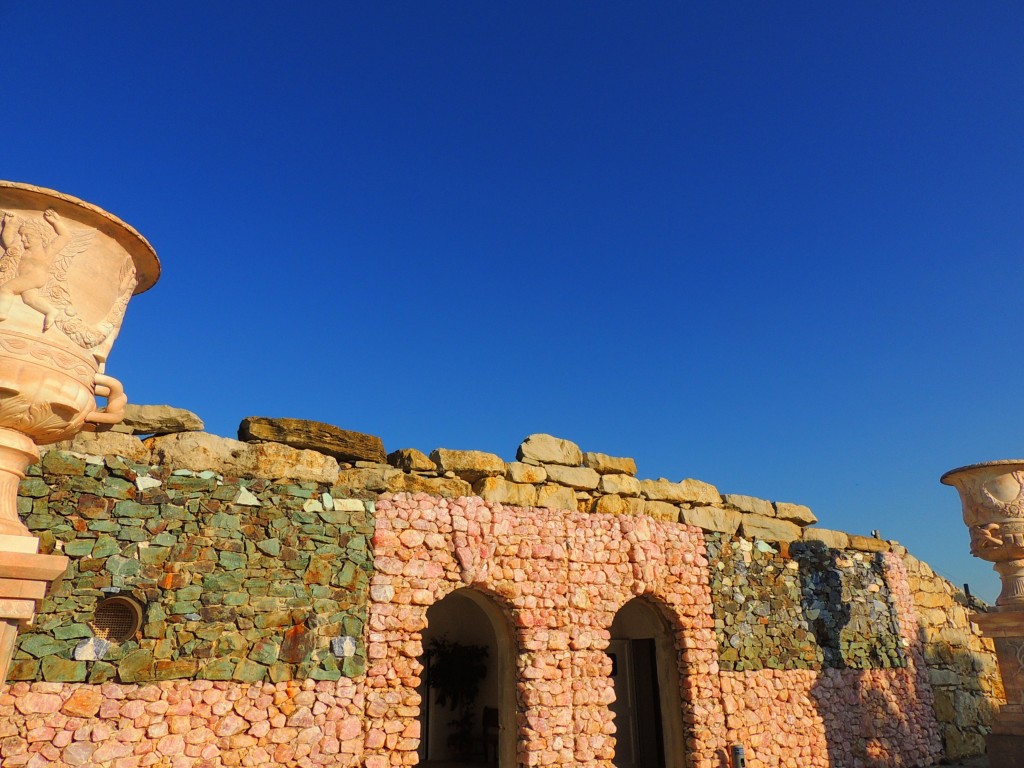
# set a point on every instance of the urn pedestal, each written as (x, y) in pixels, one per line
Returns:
(992, 496)
(67, 272)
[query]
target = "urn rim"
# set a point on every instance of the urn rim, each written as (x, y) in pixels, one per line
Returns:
(147, 264)
(946, 478)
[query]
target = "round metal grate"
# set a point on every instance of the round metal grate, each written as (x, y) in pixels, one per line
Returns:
(117, 619)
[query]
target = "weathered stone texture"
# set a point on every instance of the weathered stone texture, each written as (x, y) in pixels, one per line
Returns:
(795, 513)
(749, 504)
(158, 420)
(713, 519)
(411, 460)
(605, 465)
(581, 478)
(469, 465)
(831, 539)
(768, 528)
(342, 444)
(545, 449)
(688, 490)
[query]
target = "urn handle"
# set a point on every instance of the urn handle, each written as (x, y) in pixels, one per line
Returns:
(113, 390)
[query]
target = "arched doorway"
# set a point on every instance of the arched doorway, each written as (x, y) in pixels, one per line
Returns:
(648, 717)
(467, 640)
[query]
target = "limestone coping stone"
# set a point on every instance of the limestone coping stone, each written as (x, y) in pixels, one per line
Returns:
(768, 528)
(713, 519)
(556, 497)
(831, 539)
(411, 460)
(688, 490)
(504, 492)
(342, 444)
(469, 465)
(580, 478)
(749, 504)
(200, 451)
(158, 420)
(604, 464)
(547, 449)
(623, 485)
(795, 513)
(868, 544)
(104, 444)
(518, 472)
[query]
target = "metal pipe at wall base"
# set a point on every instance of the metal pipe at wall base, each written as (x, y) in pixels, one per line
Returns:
(737, 756)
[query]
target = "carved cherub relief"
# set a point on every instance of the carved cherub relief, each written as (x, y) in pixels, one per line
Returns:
(26, 268)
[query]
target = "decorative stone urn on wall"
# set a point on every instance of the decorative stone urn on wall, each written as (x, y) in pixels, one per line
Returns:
(67, 272)
(992, 495)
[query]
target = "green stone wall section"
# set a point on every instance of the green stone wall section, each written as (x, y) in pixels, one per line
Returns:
(241, 579)
(801, 606)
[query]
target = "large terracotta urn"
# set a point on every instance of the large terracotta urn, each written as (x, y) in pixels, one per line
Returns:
(992, 496)
(67, 272)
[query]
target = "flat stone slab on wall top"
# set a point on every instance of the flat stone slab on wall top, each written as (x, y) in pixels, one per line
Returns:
(200, 451)
(547, 449)
(342, 444)
(158, 420)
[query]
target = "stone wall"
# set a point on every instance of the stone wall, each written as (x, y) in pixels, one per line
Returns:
(241, 579)
(962, 665)
(276, 632)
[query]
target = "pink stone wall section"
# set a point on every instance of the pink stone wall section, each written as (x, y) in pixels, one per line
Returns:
(193, 724)
(559, 578)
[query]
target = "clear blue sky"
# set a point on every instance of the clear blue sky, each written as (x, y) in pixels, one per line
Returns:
(776, 247)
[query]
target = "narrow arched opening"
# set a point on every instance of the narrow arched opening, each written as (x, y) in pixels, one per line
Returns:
(648, 716)
(467, 694)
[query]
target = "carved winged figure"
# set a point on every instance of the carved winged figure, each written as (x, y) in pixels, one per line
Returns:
(35, 262)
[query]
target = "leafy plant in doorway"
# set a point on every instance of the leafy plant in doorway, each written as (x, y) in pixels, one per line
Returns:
(456, 671)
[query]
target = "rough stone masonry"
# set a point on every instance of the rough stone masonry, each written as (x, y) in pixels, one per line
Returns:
(285, 583)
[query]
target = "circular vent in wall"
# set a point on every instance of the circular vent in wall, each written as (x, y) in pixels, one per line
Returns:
(117, 619)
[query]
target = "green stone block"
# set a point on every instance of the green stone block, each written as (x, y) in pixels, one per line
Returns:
(230, 642)
(104, 526)
(164, 540)
(79, 547)
(131, 534)
(40, 645)
(265, 651)
(122, 566)
(191, 592)
(105, 547)
(37, 522)
(235, 598)
(191, 484)
(116, 488)
(226, 493)
(225, 521)
(327, 671)
(85, 485)
(353, 666)
(101, 672)
(33, 487)
(23, 669)
(218, 669)
(24, 506)
(249, 672)
(156, 630)
(58, 670)
(60, 463)
(154, 555)
(219, 581)
(155, 612)
(135, 666)
(280, 672)
(133, 509)
(72, 632)
(180, 608)
(232, 560)
(270, 547)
